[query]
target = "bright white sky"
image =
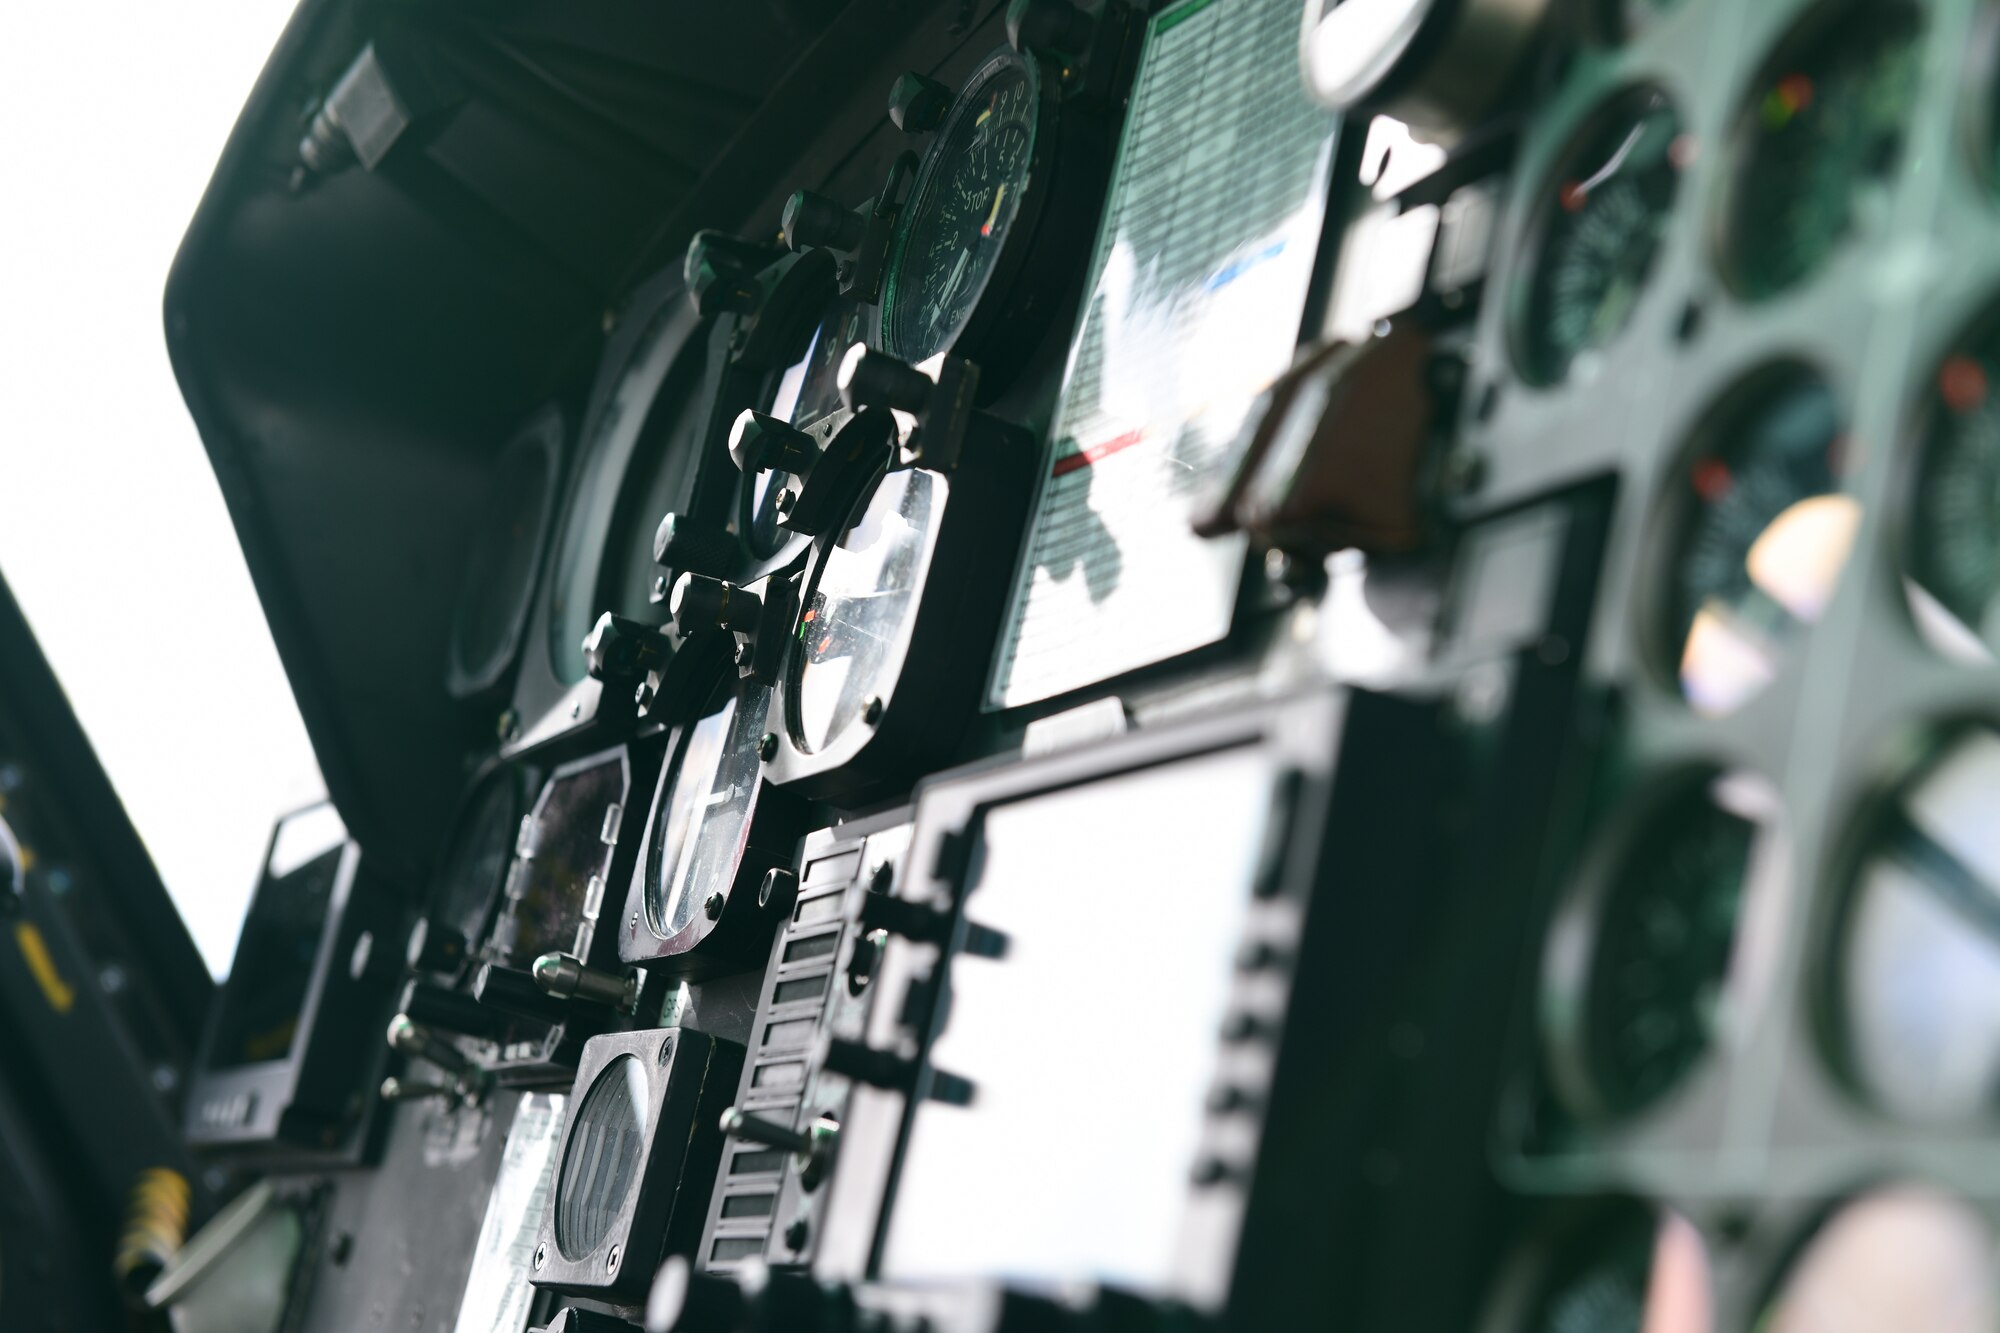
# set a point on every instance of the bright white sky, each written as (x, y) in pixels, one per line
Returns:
(113, 534)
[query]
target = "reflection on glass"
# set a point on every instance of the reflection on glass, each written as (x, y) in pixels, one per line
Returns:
(1762, 552)
(854, 630)
(476, 861)
(261, 1003)
(1919, 984)
(601, 1163)
(556, 885)
(1902, 1258)
(1638, 1274)
(699, 833)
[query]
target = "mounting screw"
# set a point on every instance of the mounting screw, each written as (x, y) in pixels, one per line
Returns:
(667, 1049)
(509, 725)
(767, 749)
(611, 1258)
(786, 499)
(713, 906)
(744, 652)
(797, 1234)
(1464, 472)
(541, 1254)
(871, 712)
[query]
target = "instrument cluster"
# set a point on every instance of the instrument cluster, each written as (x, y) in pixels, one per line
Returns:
(1115, 593)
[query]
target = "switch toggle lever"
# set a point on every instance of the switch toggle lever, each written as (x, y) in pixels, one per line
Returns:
(567, 978)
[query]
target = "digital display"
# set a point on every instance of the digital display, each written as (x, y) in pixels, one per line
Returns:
(262, 1001)
(1145, 959)
(556, 886)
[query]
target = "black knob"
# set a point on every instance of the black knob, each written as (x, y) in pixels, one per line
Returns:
(1055, 26)
(865, 1064)
(448, 1010)
(759, 442)
(721, 272)
(681, 542)
(512, 990)
(434, 948)
(617, 649)
(917, 105)
(813, 220)
(685, 1301)
(869, 378)
(701, 602)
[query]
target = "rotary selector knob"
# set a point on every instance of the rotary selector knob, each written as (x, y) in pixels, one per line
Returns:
(918, 105)
(721, 273)
(759, 442)
(618, 649)
(813, 221)
(700, 602)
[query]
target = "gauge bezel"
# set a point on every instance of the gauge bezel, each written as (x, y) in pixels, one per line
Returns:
(541, 438)
(1900, 768)
(1570, 953)
(992, 334)
(772, 826)
(1716, 426)
(690, 1076)
(1818, 25)
(1534, 238)
(979, 518)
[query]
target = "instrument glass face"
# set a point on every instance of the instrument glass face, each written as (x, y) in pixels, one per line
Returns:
(500, 569)
(476, 864)
(1954, 530)
(548, 906)
(600, 1165)
(807, 394)
(704, 822)
(956, 229)
(1820, 137)
(1905, 1256)
(577, 576)
(1656, 992)
(855, 628)
(1609, 207)
(1918, 984)
(1765, 538)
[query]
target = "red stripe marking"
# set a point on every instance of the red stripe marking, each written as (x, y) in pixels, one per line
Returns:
(1096, 452)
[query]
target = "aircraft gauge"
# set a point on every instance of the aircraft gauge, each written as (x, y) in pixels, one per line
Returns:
(1818, 140)
(1605, 212)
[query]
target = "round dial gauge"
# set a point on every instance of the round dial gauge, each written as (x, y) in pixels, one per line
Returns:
(968, 194)
(1954, 528)
(704, 817)
(1916, 989)
(501, 559)
(855, 628)
(1633, 1271)
(1818, 141)
(1765, 537)
(594, 570)
(1905, 1256)
(1642, 959)
(807, 394)
(1606, 210)
(600, 1165)
(475, 862)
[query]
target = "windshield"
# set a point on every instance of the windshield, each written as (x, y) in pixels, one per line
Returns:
(113, 534)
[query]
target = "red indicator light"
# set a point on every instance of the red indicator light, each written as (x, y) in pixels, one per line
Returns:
(1712, 479)
(1962, 383)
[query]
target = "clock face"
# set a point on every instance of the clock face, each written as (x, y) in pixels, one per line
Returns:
(967, 201)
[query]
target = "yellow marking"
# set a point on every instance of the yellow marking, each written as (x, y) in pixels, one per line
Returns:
(998, 195)
(35, 950)
(984, 116)
(27, 858)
